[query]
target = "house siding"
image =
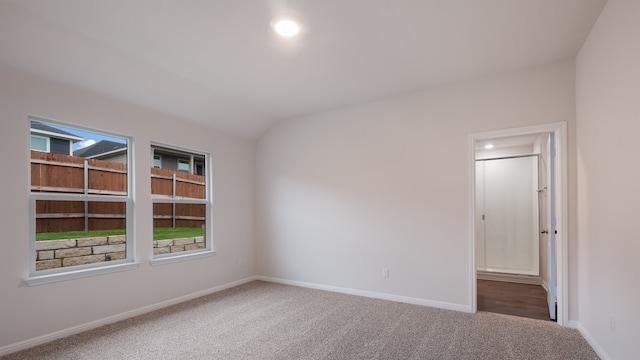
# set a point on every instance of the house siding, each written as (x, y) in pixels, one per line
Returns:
(119, 158)
(59, 146)
(169, 162)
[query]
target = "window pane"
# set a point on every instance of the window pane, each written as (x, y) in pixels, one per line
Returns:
(38, 143)
(71, 233)
(98, 158)
(157, 161)
(183, 165)
(178, 227)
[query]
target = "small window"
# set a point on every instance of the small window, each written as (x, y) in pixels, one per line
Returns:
(183, 165)
(199, 169)
(181, 206)
(81, 207)
(39, 143)
(157, 161)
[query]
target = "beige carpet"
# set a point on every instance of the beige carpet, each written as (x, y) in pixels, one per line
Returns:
(269, 321)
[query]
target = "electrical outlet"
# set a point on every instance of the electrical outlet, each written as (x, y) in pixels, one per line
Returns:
(385, 272)
(612, 323)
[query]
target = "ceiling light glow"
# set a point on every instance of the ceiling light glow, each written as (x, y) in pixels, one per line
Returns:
(286, 27)
(488, 146)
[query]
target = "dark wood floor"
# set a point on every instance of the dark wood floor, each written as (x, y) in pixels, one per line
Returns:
(523, 300)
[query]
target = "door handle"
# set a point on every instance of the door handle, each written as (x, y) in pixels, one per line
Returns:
(544, 232)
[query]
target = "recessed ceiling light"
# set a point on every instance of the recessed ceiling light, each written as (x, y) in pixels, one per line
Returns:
(488, 146)
(286, 27)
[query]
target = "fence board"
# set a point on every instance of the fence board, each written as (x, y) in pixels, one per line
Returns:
(61, 173)
(80, 215)
(186, 215)
(187, 185)
(64, 173)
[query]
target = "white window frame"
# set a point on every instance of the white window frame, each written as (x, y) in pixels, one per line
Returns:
(47, 143)
(80, 271)
(209, 248)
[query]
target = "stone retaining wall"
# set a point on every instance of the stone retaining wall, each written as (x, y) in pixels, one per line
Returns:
(177, 245)
(51, 254)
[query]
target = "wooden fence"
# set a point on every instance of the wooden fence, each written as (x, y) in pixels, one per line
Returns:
(178, 184)
(70, 174)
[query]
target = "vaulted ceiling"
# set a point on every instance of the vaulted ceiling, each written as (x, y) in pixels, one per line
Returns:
(219, 63)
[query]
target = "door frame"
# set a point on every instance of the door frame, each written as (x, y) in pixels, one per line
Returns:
(560, 131)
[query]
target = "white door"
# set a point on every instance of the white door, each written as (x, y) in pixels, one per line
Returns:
(510, 215)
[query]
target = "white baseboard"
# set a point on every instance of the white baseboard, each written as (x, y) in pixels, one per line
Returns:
(585, 334)
(521, 279)
(545, 285)
(11, 348)
(371, 294)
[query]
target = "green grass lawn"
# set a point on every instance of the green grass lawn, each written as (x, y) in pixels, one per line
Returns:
(171, 233)
(158, 234)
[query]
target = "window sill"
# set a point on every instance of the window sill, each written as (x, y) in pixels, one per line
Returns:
(77, 274)
(182, 257)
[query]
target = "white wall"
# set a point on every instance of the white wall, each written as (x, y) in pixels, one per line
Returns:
(29, 312)
(608, 118)
(342, 194)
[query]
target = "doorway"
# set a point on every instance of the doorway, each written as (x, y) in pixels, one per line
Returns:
(519, 238)
(507, 215)
(510, 298)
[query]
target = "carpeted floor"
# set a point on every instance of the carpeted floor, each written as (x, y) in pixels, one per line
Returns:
(261, 320)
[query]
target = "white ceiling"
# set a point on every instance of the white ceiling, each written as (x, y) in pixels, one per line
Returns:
(218, 63)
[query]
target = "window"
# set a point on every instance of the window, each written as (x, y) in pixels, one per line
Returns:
(181, 207)
(39, 143)
(199, 169)
(81, 209)
(157, 161)
(183, 165)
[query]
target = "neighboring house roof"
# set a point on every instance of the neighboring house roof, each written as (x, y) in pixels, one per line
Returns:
(43, 129)
(101, 148)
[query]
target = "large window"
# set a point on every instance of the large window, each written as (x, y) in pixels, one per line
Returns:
(181, 204)
(81, 207)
